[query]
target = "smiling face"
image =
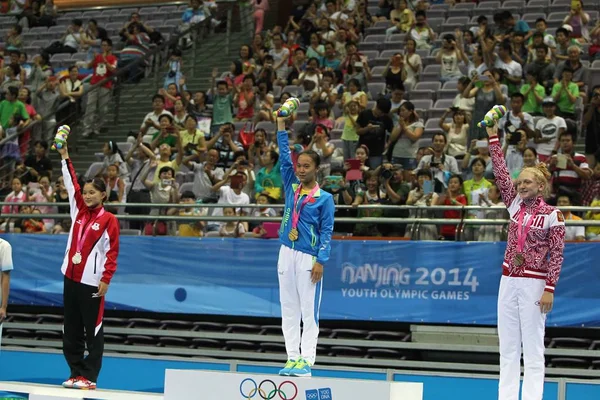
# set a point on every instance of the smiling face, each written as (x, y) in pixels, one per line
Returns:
(92, 197)
(529, 158)
(361, 155)
(438, 143)
(528, 186)
(306, 169)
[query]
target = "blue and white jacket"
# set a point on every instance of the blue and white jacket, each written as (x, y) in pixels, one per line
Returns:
(315, 224)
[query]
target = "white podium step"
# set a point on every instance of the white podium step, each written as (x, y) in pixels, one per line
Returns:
(51, 392)
(209, 385)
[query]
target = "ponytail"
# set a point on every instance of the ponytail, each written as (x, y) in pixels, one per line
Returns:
(542, 176)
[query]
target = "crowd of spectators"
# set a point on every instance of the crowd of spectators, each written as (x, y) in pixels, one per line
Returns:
(363, 117)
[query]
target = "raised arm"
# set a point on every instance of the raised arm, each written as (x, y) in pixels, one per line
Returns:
(503, 179)
(285, 157)
(71, 184)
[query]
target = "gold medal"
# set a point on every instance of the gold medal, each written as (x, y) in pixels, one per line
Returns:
(76, 258)
(518, 259)
(293, 234)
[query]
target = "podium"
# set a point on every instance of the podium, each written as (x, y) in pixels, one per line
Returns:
(53, 392)
(209, 385)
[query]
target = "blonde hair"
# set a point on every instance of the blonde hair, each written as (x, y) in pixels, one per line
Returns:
(541, 175)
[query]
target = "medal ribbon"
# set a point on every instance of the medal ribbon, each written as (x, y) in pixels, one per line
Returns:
(523, 230)
(81, 240)
(296, 210)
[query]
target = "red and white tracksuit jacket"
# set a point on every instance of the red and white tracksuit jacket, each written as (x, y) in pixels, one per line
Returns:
(544, 245)
(101, 248)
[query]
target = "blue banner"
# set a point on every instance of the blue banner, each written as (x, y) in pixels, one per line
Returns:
(431, 282)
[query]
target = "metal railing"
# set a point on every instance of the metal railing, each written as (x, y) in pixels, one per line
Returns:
(154, 59)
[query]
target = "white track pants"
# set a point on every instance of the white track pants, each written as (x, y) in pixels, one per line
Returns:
(520, 321)
(300, 300)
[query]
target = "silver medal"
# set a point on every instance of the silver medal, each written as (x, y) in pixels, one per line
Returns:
(76, 258)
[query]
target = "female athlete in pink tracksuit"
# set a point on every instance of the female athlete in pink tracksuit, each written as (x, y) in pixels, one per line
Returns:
(532, 262)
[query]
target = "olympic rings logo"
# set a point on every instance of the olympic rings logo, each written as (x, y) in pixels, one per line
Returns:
(267, 389)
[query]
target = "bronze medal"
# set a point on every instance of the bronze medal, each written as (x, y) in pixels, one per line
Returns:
(518, 259)
(293, 234)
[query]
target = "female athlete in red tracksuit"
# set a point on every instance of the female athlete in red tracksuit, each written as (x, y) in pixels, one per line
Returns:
(532, 263)
(89, 264)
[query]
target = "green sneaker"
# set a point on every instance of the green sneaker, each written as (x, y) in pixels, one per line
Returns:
(302, 368)
(288, 367)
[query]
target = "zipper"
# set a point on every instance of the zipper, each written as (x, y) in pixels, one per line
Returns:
(95, 262)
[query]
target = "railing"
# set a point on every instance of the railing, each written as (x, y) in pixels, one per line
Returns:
(154, 59)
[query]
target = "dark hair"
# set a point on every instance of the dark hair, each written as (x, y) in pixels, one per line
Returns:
(542, 46)
(77, 22)
(274, 156)
(517, 95)
(320, 105)
(42, 143)
(99, 185)
(158, 96)
(567, 69)
(188, 117)
(384, 105)
(460, 179)
(239, 153)
(562, 30)
(313, 155)
(73, 67)
(439, 134)
(221, 83)
(188, 195)
(16, 68)
(420, 13)
(166, 168)
(568, 132)
(28, 99)
(18, 28)
(161, 116)
(481, 18)
(250, 51)
(541, 20)
(108, 41)
(532, 149)
(410, 107)
(506, 46)
(92, 20)
(251, 77)
(354, 82)
(14, 91)
(478, 160)
(424, 172)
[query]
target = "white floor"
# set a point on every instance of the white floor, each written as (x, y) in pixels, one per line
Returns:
(51, 392)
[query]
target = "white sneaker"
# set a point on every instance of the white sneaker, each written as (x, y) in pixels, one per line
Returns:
(84, 384)
(69, 383)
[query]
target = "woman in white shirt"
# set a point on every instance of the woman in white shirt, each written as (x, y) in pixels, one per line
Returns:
(412, 65)
(457, 132)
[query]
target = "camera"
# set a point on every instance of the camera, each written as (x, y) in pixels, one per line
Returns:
(386, 173)
(434, 164)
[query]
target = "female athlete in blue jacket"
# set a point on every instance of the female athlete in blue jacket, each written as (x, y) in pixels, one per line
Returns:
(305, 237)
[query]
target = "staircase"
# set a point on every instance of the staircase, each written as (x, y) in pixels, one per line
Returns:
(135, 99)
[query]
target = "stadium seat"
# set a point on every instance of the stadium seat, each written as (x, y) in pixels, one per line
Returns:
(346, 351)
(141, 340)
(94, 170)
(269, 347)
(384, 354)
(171, 341)
(349, 334)
(461, 9)
(202, 343)
(207, 326)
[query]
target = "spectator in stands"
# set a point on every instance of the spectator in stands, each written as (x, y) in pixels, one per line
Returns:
(244, 99)
(192, 229)
(371, 194)
(47, 97)
(542, 68)
(591, 187)
(70, 42)
(460, 102)
(230, 191)
(320, 144)
(477, 186)
(568, 178)
(541, 26)
(486, 97)
(38, 163)
(17, 195)
(374, 125)
(12, 77)
(167, 134)
(206, 174)
(25, 137)
(450, 55)
(11, 106)
(457, 131)
(573, 233)
(594, 49)
(423, 195)
(565, 94)
(479, 149)
(534, 94)
(139, 159)
(438, 163)
(199, 108)
(192, 139)
(259, 148)
(114, 156)
(150, 125)
(298, 63)
(196, 13)
(580, 71)
(591, 126)
(493, 200)
(421, 33)
(453, 197)
(578, 20)
(513, 70)
(355, 93)
(45, 194)
(13, 40)
(563, 42)
(592, 233)
(179, 114)
(268, 180)
(315, 49)
(383, 13)
(515, 118)
(48, 14)
(402, 18)
(225, 144)
(222, 104)
(349, 135)
(394, 73)
(71, 89)
(162, 191)
(520, 52)
(280, 56)
(358, 70)
(115, 185)
(40, 71)
(92, 39)
(137, 44)
(477, 66)
(232, 229)
(548, 130)
(164, 159)
(10, 151)
(331, 60)
(514, 150)
(403, 142)
(322, 115)
(412, 65)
